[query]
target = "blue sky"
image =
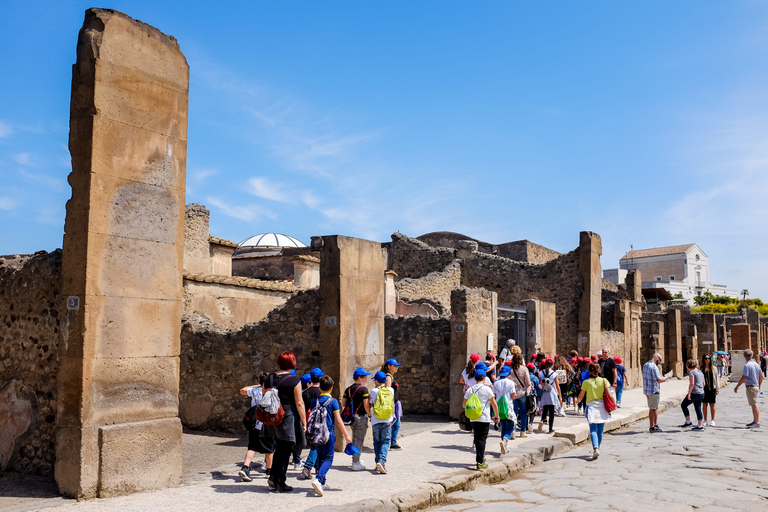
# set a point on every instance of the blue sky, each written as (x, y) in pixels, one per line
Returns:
(645, 122)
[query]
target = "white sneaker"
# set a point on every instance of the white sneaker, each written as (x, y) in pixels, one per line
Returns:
(513, 435)
(318, 487)
(595, 453)
(358, 466)
(711, 423)
(503, 446)
(381, 468)
(704, 423)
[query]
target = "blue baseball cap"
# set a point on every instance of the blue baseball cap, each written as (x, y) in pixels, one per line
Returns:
(306, 378)
(479, 374)
(293, 372)
(505, 370)
(316, 372)
(380, 377)
(360, 372)
(392, 361)
(481, 366)
(350, 449)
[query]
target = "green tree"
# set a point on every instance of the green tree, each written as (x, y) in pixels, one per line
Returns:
(744, 293)
(722, 299)
(678, 295)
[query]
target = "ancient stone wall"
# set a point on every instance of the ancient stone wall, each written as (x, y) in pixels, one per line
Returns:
(413, 258)
(272, 268)
(196, 234)
(217, 362)
(557, 281)
(31, 311)
(520, 250)
(434, 288)
(421, 344)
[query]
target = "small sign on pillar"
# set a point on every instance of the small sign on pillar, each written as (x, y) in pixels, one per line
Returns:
(490, 342)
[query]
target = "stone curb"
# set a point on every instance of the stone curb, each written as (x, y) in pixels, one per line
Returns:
(530, 454)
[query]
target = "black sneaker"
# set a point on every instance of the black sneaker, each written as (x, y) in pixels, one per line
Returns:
(395, 447)
(271, 483)
(657, 429)
(283, 488)
(268, 471)
(698, 427)
(245, 474)
(686, 424)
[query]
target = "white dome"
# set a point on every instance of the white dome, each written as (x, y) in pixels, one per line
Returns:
(271, 240)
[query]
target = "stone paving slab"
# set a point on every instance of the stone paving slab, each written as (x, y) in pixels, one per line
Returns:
(433, 464)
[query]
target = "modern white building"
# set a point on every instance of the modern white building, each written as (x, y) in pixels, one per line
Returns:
(678, 269)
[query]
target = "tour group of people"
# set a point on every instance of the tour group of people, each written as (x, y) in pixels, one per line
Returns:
(506, 391)
(306, 404)
(501, 390)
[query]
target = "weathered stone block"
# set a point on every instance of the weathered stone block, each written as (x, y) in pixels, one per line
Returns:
(139, 456)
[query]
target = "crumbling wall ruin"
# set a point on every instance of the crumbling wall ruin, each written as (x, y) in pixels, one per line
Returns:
(422, 345)
(31, 307)
(520, 250)
(217, 362)
(433, 289)
(412, 258)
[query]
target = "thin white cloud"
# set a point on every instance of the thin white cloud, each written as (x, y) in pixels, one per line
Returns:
(200, 175)
(5, 129)
(21, 159)
(9, 203)
(261, 187)
(247, 213)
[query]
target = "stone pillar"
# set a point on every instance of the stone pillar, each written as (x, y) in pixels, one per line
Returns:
(306, 272)
(474, 318)
(653, 343)
(634, 285)
(390, 294)
(673, 358)
(590, 249)
(352, 311)
(542, 327)
(740, 337)
(197, 259)
(118, 429)
(707, 335)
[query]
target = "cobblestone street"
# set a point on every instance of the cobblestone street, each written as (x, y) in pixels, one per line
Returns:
(722, 468)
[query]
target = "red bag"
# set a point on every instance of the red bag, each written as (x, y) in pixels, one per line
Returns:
(608, 401)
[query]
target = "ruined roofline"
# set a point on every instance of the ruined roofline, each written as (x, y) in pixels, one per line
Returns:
(244, 282)
(459, 236)
(221, 241)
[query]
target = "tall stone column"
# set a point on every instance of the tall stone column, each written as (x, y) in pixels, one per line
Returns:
(673, 358)
(541, 318)
(352, 311)
(590, 250)
(118, 429)
(475, 317)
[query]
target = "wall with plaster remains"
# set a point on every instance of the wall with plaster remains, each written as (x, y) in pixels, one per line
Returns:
(217, 362)
(31, 311)
(433, 289)
(421, 344)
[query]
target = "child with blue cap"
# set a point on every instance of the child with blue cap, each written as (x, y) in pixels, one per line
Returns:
(383, 407)
(390, 368)
(308, 395)
(355, 403)
(481, 426)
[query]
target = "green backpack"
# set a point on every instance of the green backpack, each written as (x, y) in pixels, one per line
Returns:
(384, 405)
(503, 408)
(473, 408)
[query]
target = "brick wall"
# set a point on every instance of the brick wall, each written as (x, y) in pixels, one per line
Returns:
(421, 344)
(31, 310)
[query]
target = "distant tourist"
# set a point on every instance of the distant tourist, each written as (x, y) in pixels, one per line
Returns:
(522, 381)
(695, 395)
(592, 391)
(752, 377)
(332, 418)
(711, 387)
(504, 390)
(467, 374)
(550, 395)
(382, 417)
(291, 429)
(506, 352)
(256, 443)
(490, 363)
(356, 398)
(480, 399)
(608, 366)
(652, 380)
(621, 377)
(720, 363)
(390, 368)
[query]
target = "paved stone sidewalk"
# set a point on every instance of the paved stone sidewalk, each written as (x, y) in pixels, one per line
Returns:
(722, 468)
(431, 463)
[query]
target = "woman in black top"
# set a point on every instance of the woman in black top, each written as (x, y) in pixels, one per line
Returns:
(291, 429)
